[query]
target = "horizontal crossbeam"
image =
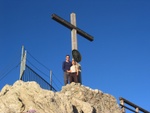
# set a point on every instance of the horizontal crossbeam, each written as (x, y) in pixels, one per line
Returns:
(70, 26)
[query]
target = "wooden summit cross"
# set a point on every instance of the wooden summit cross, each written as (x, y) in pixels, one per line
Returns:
(74, 31)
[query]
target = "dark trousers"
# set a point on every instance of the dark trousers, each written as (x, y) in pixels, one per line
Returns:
(73, 77)
(79, 78)
(66, 77)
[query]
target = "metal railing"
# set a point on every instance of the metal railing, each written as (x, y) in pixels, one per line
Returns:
(133, 107)
(30, 75)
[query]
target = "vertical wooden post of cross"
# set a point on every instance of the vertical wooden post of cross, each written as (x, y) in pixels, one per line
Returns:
(73, 32)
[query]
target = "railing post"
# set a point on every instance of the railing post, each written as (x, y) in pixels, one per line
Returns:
(51, 79)
(122, 103)
(137, 110)
(23, 62)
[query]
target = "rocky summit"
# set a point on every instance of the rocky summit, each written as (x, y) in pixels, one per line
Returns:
(29, 97)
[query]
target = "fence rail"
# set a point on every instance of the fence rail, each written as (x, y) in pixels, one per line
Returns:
(137, 109)
(30, 75)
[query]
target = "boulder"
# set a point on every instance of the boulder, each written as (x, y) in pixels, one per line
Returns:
(29, 97)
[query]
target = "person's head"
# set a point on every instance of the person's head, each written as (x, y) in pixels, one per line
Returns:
(67, 57)
(73, 62)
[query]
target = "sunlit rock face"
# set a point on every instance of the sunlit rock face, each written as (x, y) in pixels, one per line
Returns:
(29, 97)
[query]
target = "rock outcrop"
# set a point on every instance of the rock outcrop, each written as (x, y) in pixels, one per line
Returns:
(29, 97)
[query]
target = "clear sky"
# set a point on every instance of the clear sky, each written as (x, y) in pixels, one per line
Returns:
(117, 62)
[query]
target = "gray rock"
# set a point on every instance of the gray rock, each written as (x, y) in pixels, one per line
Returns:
(29, 97)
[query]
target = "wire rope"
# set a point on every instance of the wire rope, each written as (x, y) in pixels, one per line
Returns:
(43, 66)
(9, 72)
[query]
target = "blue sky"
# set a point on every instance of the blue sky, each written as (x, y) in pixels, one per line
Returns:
(117, 62)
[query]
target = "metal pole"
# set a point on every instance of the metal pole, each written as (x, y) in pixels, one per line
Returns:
(23, 62)
(51, 79)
